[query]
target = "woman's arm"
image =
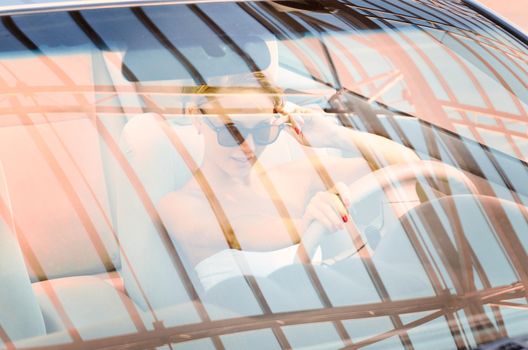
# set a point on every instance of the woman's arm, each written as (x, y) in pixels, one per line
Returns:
(319, 130)
(363, 153)
(378, 151)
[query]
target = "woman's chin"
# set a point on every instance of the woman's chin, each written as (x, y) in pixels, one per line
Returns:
(239, 168)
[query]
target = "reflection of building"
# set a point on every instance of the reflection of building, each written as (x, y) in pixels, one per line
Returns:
(514, 13)
(434, 60)
(456, 72)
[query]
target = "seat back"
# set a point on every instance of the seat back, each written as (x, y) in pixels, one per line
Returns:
(54, 168)
(149, 274)
(59, 197)
(20, 317)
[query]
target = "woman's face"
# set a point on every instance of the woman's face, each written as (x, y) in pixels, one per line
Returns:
(236, 130)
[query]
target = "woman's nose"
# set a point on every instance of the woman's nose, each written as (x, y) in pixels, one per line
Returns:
(248, 145)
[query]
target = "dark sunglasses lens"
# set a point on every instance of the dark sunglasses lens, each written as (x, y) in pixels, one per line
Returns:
(266, 134)
(231, 136)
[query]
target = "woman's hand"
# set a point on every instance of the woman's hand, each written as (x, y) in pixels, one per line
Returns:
(309, 126)
(329, 208)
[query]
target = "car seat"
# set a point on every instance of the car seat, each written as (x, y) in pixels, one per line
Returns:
(20, 317)
(58, 200)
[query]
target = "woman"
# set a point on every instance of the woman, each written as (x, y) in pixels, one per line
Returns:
(248, 206)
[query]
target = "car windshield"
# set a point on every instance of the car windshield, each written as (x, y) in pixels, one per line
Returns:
(263, 175)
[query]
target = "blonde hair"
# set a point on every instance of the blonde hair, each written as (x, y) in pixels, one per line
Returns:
(206, 94)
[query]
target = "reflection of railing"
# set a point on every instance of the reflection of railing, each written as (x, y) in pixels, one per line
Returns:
(437, 306)
(443, 304)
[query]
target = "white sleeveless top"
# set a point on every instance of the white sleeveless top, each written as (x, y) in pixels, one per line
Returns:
(232, 263)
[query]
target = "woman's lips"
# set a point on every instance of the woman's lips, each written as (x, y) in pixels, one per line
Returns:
(243, 160)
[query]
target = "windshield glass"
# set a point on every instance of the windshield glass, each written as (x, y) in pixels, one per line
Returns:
(264, 175)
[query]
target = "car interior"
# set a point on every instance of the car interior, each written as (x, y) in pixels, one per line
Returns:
(82, 245)
(84, 254)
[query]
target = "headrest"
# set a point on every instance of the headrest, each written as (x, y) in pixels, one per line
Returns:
(150, 151)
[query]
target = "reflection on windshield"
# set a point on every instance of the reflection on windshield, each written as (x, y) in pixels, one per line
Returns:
(343, 178)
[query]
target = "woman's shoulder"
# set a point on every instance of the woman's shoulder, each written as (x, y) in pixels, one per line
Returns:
(175, 208)
(185, 193)
(182, 197)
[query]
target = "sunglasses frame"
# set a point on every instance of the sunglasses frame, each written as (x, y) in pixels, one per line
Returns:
(240, 137)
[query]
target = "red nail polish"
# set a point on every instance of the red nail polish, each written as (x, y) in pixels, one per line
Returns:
(345, 218)
(297, 130)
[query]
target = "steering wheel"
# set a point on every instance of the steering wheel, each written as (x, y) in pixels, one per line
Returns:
(380, 180)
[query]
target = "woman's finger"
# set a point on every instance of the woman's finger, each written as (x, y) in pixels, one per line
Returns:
(279, 119)
(295, 124)
(338, 206)
(332, 201)
(331, 215)
(343, 191)
(328, 209)
(313, 213)
(299, 119)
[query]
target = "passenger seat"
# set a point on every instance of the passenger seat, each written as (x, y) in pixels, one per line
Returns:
(20, 317)
(60, 213)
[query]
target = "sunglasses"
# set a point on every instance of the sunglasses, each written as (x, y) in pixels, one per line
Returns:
(231, 135)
